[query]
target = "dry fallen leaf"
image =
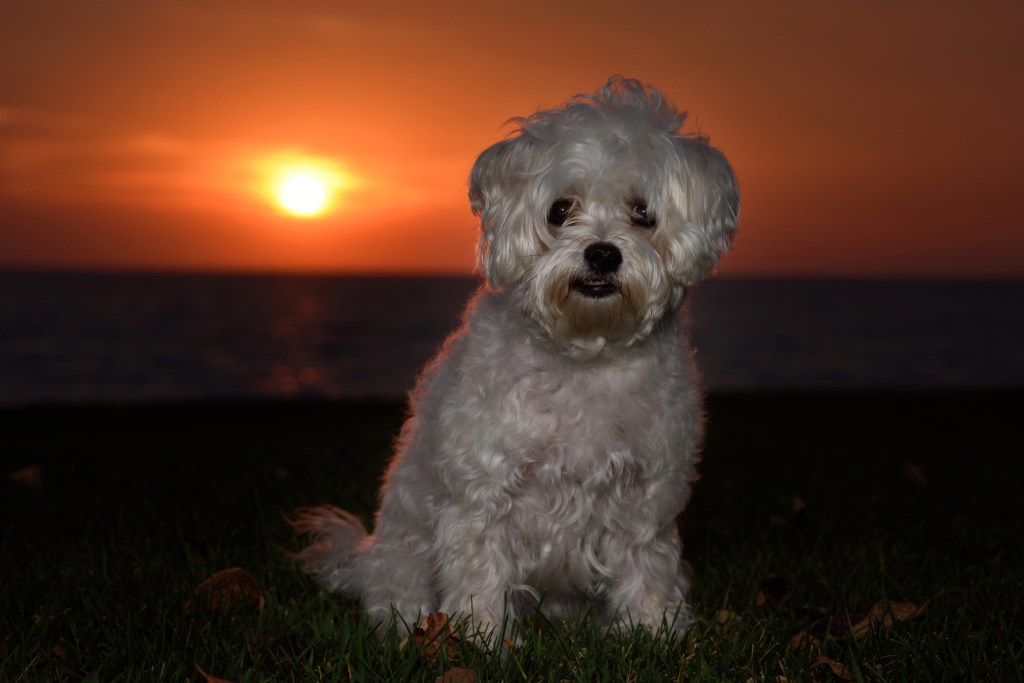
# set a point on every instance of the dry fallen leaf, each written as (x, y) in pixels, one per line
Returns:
(882, 617)
(208, 678)
(804, 640)
(30, 477)
(773, 592)
(433, 636)
(905, 611)
(225, 590)
(838, 670)
(726, 617)
(914, 473)
(728, 622)
(276, 653)
(457, 675)
(797, 518)
(837, 626)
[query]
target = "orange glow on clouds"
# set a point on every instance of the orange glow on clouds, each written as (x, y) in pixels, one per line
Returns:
(869, 139)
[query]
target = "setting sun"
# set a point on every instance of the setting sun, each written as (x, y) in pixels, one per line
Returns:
(302, 186)
(303, 194)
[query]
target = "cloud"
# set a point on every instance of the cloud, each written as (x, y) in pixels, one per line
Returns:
(51, 158)
(885, 115)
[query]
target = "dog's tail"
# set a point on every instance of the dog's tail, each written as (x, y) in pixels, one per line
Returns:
(337, 539)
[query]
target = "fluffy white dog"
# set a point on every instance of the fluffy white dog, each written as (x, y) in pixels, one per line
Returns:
(553, 441)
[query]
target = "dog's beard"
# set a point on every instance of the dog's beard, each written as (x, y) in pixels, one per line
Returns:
(610, 315)
(585, 311)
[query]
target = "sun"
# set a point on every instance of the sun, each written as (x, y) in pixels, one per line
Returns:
(303, 193)
(302, 186)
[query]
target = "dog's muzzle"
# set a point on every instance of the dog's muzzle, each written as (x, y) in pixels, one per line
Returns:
(603, 260)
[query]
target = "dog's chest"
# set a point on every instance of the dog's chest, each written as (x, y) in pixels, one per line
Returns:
(584, 459)
(593, 431)
(567, 511)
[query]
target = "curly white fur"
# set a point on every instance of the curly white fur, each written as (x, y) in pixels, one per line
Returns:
(553, 441)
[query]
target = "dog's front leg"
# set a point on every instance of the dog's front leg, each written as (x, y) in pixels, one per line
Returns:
(649, 585)
(474, 570)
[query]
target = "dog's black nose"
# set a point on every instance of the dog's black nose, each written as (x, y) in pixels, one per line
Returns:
(603, 257)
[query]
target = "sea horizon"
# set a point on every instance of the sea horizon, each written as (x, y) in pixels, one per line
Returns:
(160, 271)
(88, 336)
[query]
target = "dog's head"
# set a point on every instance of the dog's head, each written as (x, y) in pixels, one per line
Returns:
(602, 212)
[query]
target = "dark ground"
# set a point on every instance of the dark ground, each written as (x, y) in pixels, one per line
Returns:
(116, 513)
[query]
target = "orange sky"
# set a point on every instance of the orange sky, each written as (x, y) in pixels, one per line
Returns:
(870, 138)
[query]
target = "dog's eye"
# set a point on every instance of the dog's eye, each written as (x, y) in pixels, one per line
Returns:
(559, 212)
(641, 216)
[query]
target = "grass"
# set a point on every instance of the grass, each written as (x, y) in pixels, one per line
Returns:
(824, 505)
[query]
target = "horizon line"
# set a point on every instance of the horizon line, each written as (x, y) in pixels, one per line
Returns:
(183, 271)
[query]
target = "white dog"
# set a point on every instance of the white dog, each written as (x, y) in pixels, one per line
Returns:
(553, 441)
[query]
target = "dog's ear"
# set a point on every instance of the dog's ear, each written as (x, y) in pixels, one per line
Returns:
(707, 199)
(490, 175)
(497, 193)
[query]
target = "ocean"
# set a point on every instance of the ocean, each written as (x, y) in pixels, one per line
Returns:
(129, 338)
